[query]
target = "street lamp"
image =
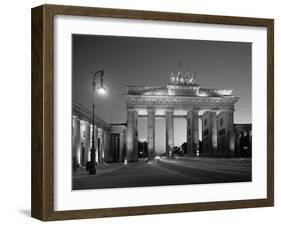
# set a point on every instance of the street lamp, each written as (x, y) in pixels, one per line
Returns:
(101, 90)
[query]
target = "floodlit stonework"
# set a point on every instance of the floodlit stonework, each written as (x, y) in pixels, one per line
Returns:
(212, 109)
(109, 138)
(183, 94)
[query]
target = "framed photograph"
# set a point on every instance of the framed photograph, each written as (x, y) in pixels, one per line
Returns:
(141, 112)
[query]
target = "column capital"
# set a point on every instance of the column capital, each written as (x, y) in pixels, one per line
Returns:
(131, 109)
(195, 109)
(150, 109)
(229, 111)
(214, 109)
(170, 110)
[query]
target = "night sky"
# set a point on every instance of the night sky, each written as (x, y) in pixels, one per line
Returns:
(149, 62)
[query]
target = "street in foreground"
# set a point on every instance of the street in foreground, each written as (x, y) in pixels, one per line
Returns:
(163, 171)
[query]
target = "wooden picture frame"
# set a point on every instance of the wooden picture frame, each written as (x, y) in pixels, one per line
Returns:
(42, 205)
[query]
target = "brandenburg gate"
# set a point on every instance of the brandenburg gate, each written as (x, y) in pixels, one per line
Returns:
(213, 108)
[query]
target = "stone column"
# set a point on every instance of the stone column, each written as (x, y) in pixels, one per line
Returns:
(189, 135)
(231, 133)
(214, 131)
(96, 144)
(151, 133)
(195, 129)
(223, 135)
(101, 151)
(107, 146)
(206, 150)
(131, 137)
(121, 147)
(169, 133)
(76, 142)
(87, 141)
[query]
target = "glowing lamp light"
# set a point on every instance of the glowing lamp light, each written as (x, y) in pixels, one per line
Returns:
(101, 90)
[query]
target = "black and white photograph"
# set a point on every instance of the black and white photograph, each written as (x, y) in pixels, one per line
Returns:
(160, 112)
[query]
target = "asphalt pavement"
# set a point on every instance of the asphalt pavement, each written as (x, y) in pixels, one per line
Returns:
(164, 171)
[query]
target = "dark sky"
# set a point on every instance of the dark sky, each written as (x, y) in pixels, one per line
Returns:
(149, 62)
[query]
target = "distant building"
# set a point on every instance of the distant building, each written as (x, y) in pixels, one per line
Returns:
(243, 145)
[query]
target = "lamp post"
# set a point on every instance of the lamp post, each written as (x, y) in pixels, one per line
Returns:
(102, 91)
(142, 141)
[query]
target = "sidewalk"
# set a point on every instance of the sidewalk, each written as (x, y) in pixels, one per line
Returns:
(100, 170)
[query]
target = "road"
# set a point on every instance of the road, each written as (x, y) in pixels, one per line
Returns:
(169, 172)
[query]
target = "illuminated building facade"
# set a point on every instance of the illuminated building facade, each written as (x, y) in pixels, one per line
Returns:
(109, 138)
(209, 114)
(212, 109)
